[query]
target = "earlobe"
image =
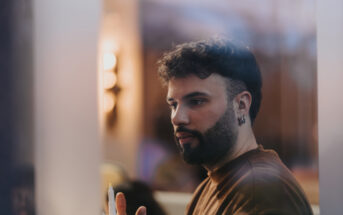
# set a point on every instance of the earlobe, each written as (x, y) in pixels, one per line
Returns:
(241, 120)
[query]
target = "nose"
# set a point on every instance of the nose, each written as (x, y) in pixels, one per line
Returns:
(180, 116)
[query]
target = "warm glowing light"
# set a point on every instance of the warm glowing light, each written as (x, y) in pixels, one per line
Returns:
(109, 102)
(109, 60)
(110, 79)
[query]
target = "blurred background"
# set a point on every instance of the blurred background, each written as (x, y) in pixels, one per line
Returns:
(82, 106)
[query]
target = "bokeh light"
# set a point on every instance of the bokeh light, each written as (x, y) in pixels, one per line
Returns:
(109, 60)
(109, 102)
(110, 79)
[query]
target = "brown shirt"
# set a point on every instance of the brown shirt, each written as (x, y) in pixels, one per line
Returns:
(255, 183)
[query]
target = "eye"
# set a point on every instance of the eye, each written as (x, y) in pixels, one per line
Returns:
(196, 101)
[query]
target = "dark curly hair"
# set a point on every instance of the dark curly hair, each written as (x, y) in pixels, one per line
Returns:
(221, 56)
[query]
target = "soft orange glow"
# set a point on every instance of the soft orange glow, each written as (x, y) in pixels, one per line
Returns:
(109, 102)
(110, 79)
(109, 60)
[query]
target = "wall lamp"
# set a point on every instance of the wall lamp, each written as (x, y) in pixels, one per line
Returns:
(111, 88)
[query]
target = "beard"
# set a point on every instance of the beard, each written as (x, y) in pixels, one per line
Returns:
(214, 144)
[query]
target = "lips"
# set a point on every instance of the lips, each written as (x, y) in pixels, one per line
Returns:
(184, 137)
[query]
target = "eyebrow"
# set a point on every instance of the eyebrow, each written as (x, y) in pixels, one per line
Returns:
(190, 95)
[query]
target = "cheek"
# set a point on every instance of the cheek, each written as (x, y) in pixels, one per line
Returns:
(204, 119)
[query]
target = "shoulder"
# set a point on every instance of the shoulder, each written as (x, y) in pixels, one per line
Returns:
(270, 186)
(267, 175)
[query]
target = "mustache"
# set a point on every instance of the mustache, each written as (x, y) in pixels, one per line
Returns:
(184, 129)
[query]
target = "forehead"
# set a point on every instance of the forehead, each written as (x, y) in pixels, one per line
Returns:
(212, 86)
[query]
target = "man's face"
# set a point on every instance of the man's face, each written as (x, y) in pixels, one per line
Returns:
(202, 117)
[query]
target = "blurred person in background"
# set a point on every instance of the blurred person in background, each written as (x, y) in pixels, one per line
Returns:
(214, 93)
(22, 191)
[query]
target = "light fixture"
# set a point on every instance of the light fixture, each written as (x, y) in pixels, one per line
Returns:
(110, 79)
(109, 102)
(109, 60)
(110, 87)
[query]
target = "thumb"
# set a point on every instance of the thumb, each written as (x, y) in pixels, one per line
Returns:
(141, 210)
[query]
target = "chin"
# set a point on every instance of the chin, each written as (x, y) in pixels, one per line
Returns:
(192, 156)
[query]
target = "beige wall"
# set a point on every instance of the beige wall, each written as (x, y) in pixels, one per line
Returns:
(66, 123)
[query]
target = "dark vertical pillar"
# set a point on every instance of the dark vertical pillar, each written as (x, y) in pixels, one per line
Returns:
(6, 128)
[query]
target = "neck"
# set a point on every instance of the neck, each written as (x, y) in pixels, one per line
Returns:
(245, 142)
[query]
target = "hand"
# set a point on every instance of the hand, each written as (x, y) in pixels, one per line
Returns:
(121, 206)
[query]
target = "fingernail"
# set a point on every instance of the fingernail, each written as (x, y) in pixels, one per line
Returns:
(120, 197)
(142, 210)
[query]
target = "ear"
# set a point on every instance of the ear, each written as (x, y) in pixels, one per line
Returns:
(242, 103)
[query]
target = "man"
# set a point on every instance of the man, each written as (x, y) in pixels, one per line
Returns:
(214, 92)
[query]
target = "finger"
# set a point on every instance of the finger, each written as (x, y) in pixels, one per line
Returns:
(141, 210)
(121, 204)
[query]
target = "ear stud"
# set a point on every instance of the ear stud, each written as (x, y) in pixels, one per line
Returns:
(241, 120)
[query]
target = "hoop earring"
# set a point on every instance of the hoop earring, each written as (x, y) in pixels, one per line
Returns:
(241, 120)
